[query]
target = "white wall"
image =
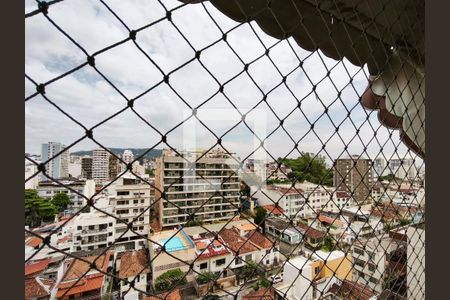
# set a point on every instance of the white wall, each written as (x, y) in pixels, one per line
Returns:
(300, 282)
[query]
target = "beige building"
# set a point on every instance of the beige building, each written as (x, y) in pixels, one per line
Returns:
(210, 190)
(354, 175)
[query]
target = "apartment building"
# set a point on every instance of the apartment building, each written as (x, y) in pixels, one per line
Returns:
(86, 167)
(130, 198)
(100, 165)
(30, 170)
(305, 200)
(360, 222)
(58, 166)
(127, 156)
(311, 275)
(378, 262)
(47, 189)
(403, 168)
(354, 175)
(91, 231)
(210, 192)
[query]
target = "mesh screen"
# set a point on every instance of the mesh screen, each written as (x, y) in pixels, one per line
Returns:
(224, 149)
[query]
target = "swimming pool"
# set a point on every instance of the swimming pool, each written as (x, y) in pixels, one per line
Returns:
(173, 244)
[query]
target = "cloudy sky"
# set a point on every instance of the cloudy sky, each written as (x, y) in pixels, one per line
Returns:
(89, 99)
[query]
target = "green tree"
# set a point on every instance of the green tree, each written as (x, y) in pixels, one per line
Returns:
(61, 201)
(37, 209)
(309, 167)
(168, 280)
(328, 243)
(260, 216)
(261, 283)
(150, 172)
(206, 277)
(249, 270)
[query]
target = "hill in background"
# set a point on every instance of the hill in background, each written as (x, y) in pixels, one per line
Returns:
(136, 152)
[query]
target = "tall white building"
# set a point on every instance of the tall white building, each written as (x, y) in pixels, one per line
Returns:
(30, 170)
(379, 167)
(58, 167)
(127, 156)
(100, 165)
(403, 168)
(416, 262)
(130, 199)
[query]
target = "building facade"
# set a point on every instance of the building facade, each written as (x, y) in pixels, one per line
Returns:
(189, 184)
(130, 199)
(100, 166)
(47, 189)
(86, 167)
(58, 167)
(354, 175)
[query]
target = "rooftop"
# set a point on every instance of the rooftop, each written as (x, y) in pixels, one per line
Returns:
(352, 290)
(133, 263)
(272, 209)
(262, 293)
(36, 267)
(37, 287)
(311, 232)
(173, 240)
(206, 247)
(236, 242)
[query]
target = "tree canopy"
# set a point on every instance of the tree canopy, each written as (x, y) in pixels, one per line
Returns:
(260, 215)
(61, 201)
(309, 167)
(169, 279)
(37, 209)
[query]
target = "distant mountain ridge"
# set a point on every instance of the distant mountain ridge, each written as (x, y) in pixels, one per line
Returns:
(136, 152)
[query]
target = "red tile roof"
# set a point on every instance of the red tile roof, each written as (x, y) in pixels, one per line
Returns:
(34, 242)
(36, 267)
(330, 220)
(259, 240)
(173, 295)
(133, 263)
(213, 248)
(285, 190)
(274, 210)
(79, 268)
(311, 232)
(342, 194)
(262, 293)
(86, 284)
(37, 287)
(236, 242)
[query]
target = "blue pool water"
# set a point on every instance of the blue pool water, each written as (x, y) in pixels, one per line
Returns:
(173, 244)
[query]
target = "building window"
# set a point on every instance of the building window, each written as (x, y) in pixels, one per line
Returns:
(135, 201)
(203, 266)
(123, 193)
(358, 251)
(220, 262)
(248, 257)
(373, 280)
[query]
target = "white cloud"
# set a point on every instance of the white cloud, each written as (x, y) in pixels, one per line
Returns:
(90, 100)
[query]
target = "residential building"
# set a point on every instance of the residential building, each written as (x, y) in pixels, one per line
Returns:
(78, 192)
(210, 192)
(38, 288)
(360, 222)
(403, 168)
(180, 247)
(93, 284)
(354, 175)
(379, 167)
(92, 230)
(100, 165)
(130, 198)
(212, 256)
(86, 167)
(310, 276)
(304, 200)
(250, 246)
(113, 168)
(133, 266)
(377, 261)
(58, 166)
(288, 236)
(290, 199)
(275, 171)
(30, 170)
